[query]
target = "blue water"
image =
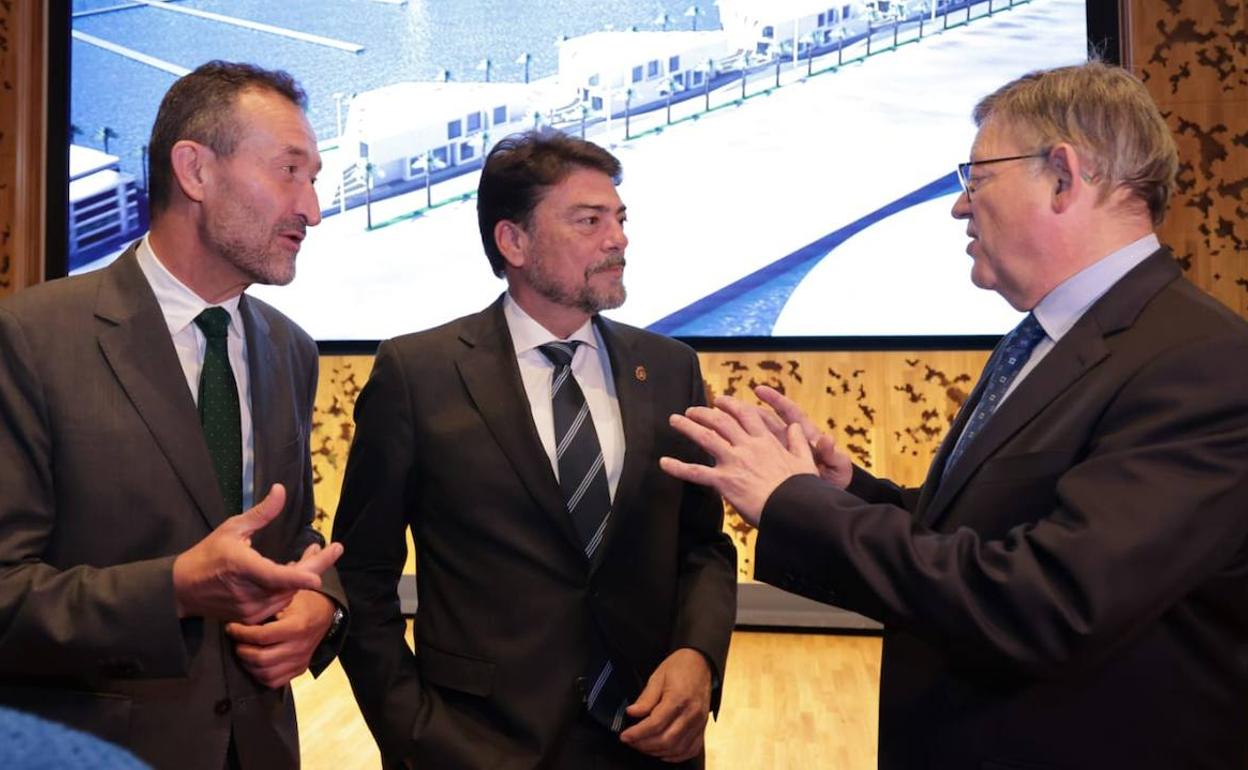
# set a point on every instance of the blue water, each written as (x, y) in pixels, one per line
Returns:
(411, 42)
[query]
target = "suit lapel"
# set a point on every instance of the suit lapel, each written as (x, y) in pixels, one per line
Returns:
(491, 376)
(137, 346)
(265, 370)
(637, 413)
(1082, 348)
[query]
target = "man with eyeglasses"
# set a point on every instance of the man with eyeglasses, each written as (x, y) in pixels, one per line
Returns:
(1067, 589)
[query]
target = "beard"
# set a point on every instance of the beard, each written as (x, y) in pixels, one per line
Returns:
(586, 297)
(242, 239)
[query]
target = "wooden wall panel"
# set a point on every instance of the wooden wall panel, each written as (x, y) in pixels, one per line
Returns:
(22, 117)
(1193, 56)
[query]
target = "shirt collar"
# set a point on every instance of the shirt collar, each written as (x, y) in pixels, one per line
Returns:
(1066, 304)
(179, 304)
(527, 334)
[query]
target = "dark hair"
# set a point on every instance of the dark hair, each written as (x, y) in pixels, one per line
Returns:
(519, 171)
(200, 107)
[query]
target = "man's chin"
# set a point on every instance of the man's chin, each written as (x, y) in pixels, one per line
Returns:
(274, 273)
(610, 300)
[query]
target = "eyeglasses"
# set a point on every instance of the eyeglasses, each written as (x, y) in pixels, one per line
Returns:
(964, 169)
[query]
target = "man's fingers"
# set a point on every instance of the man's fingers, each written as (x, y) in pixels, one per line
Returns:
(317, 559)
(825, 450)
(718, 420)
(798, 445)
(747, 416)
(274, 577)
(259, 515)
(266, 667)
(691, 426)
(694, 474)
(257, 634)
(646, 701)
(647, 730)
(788, 410)
(774, 424)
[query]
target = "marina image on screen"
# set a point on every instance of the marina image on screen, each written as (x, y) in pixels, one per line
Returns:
(788, 164)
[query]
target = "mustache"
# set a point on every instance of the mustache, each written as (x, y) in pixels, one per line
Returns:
(296, 225)
(609, 263)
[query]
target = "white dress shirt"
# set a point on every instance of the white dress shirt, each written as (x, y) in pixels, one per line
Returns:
(591, 366)
(180, 305)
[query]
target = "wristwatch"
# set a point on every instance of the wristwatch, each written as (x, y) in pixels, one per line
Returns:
(336, 622)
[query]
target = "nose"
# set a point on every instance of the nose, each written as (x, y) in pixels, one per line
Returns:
(616, 239)
(309, 206)
(962, 206)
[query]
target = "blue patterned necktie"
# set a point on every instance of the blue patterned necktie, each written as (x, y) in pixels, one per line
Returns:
(1008, 360)
(583, 481)
(219, 413)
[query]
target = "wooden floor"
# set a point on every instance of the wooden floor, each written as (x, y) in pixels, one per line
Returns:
(790, 701)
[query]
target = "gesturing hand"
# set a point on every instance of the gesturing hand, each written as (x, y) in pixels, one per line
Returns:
(750, 462)
(834, 465)
(223, 577)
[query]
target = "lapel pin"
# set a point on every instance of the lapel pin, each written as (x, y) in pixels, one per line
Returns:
(640, 373)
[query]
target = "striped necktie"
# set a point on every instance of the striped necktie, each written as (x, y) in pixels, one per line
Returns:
(583, 481)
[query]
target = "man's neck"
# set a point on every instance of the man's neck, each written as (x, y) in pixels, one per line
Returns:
(559, 320)
(182, 253)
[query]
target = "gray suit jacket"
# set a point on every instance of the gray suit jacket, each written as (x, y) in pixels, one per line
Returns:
(1074, 593)
(106, 478)
(446, 447)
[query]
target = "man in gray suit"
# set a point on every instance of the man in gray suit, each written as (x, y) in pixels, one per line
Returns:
(1066, 589)
(143, 407)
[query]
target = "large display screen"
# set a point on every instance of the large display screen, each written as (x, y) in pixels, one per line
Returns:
(788, 164)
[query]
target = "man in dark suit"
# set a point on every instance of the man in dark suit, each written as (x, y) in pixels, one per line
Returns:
(568, 590)
(144, 406)
(1067, 588)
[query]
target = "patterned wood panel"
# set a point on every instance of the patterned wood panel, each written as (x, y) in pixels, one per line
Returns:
(21, 143)
(1193, 55)
(8, 152)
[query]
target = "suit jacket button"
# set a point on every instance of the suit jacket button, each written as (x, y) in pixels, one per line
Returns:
(222, 707)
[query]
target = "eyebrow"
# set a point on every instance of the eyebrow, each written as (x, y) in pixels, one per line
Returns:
(576, 208)
(299, 152)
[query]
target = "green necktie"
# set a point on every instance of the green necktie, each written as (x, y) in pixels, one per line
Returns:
(218, 408)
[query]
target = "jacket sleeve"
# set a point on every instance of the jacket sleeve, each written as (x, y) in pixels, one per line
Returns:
(1151, 507)
(85, 620)
(707, 591)
(331, 586)
(370, 523)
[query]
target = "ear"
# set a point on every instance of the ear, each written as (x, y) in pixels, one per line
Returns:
(512, 241)
(190, 168)
(1070, 183)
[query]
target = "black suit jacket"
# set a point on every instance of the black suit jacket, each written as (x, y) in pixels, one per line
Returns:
(1075, 592)
(445, 445)
(106, 478)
